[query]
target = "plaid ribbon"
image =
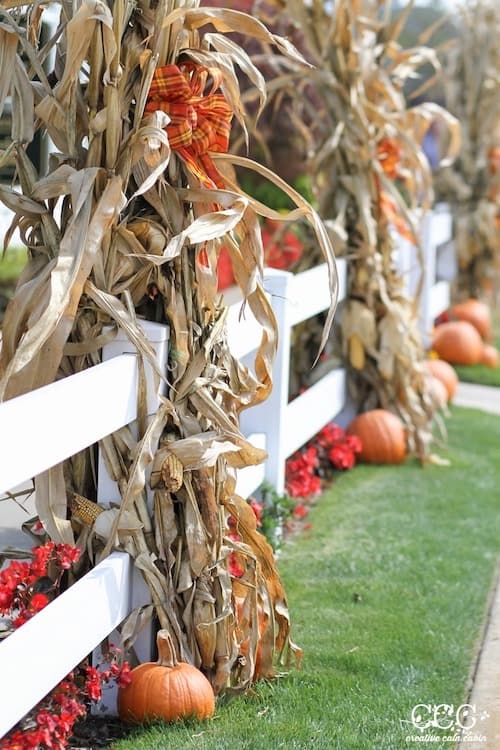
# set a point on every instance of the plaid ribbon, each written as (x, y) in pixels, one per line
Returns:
(199, 122)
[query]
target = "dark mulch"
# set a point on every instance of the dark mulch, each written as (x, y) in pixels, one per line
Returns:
(97, 731)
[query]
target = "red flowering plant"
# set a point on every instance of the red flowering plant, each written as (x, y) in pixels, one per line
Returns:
(336, 450)
(331, 449)
(282, 248)
(26, 587)
(51, 723)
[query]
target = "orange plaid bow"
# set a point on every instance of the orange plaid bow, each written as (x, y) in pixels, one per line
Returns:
(199, 123)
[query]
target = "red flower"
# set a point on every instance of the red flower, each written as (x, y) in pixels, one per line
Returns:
(341, 457)
(257, 509)
(38, 602)
(66, 555)
(93, 686)
(235, 568)
(329, 435)
(6, 599)
(354, 443)
(124, 678)
(281, 248)
(225, 273)
(300, 510)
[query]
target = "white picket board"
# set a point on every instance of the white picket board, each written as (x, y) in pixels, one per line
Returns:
(440, 227)
(244, 334)
(43, 427)
(313, 409)
(439, 299)
(39, 655)
(251, 477)
(309, 291)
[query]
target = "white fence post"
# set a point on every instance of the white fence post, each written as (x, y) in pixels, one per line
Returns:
(107, 489)
(269, 417)
(429, 253)
(436, 231)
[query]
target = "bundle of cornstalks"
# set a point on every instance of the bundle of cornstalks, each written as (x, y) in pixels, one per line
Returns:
(138, 99)
(372, 182)
(472, 185)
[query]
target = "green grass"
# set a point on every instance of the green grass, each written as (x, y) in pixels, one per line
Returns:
(11, 264)
(479, 374)
(419, 547)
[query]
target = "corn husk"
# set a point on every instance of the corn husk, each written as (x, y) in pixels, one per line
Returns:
(472, 184)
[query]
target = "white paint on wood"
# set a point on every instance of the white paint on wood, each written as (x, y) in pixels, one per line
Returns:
(270, 416)
(439, 299)
(313, 409)
(309, 292)
(158, 337)
(44, 650)
(244, 334)
(251, 477)
(436, 230)
(440, 224)
(46, 426)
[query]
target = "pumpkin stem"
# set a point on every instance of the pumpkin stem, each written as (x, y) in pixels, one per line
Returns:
(166, 650)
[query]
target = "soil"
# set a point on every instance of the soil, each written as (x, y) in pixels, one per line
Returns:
(97, 732)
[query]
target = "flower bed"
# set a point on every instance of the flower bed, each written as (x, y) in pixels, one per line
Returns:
(26, 587)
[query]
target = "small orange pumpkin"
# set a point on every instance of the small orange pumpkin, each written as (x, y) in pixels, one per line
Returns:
(458, 342)
(489, 357)
(382, 435)
(476, 313)
(445, 373)
(167, 689)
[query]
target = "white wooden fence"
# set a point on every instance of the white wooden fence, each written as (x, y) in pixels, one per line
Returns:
(439, 267)
(46, 426)
(282, 426)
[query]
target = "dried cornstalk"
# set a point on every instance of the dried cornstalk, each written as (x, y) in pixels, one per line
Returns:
(371, 180)
(128, 224)
(472, 184)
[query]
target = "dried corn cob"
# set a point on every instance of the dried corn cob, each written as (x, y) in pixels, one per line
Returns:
(356, 352)
(172, 472)
(85, 510)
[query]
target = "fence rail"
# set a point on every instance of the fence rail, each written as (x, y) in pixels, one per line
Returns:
(439, 260)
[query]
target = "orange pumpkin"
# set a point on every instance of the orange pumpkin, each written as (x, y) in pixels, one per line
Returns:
(382, 435)
(458, 342)
(166, 689)
(489, 357)
(445, 373)
(476, 313)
